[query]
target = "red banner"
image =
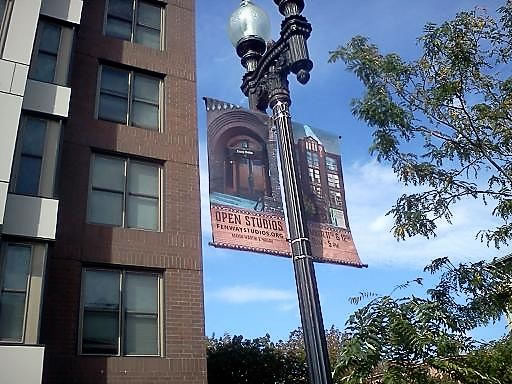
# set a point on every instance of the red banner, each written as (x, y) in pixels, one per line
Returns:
(245, 193)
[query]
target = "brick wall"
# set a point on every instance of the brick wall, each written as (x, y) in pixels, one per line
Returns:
(175, 251)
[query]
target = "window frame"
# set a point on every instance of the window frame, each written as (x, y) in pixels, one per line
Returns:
(47, 185)
(135, 22)
(5, 20)
(130, 97)
(3, 259)
(124, 219)
(312, 159)
(121, 321)
(333, 180)
(61, 75)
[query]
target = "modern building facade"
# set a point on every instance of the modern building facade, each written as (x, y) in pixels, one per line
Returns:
(101, 266)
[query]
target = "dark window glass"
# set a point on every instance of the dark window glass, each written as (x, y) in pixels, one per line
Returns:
(149, 18)
(141, 314)
(15, 271)
(119, 19)
(107, 191)
(3, 4)
(145, 102)
(113, 103)
(31, 159)
(107, 294)
(100, 327)
(133, 204)
(48, 49)
(143, 110)
(142, 27)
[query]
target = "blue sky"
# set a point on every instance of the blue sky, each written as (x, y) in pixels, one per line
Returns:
(254, 294)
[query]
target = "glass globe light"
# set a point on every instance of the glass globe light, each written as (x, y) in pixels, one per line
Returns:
(248, 20)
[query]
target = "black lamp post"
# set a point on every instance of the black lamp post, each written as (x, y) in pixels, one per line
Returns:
(265, 83)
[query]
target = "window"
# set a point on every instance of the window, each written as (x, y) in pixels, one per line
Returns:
(135, 20)
(52, 53)
(331, 164)
(5, 15)
(35, 160)
(333, 180)
(129, 97)
(32, 148)
(317, 190)
(337, 218)
(335, 198)
(311, 145)
(14, 275)
(312, 158)
(120, 312)
(314, 175)
(124, 193)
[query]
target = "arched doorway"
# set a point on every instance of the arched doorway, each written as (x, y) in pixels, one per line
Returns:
(246, 169)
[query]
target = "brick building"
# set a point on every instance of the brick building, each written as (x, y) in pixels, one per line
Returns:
(100, 263)
(322, 182)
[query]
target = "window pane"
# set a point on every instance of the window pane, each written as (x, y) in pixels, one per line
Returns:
(106, 208)
(141, 293)
(45, 67)
(149, 15)
(121, 8)
(142, 213)
(2, 11)
(119, 28)
(141, 334)
(17, 265)
(145, 115)
(143, 179)
(108, 173)
(50, 38)
(114, 80)
(12, 313)
(101, 289)
(27, 180)
(33, 137)
(147, 36)
(100, 332)
(146, 88)
(113, 108)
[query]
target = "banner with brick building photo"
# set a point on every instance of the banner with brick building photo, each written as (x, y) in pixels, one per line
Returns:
(245, 194)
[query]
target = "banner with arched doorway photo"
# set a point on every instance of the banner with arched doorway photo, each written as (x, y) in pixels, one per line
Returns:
(245, 193)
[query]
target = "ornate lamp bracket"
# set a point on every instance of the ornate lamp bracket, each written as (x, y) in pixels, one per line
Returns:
(268, 81)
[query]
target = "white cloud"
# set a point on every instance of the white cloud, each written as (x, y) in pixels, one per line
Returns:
(242, 294)
(372, 189)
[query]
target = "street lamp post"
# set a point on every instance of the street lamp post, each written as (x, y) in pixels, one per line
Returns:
(265, 83)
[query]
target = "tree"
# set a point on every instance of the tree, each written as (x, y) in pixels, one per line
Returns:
(443, 121)
(235, 360)
(410, 339)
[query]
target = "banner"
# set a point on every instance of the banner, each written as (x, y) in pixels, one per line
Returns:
(245, 192)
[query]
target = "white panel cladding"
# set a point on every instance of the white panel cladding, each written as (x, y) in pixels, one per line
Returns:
(19, 79)
(67, 10)
(22, 30)
(3, 197)
(21, 364)
(10, 109)
(47, 98)
(6, 75)
(30, 216)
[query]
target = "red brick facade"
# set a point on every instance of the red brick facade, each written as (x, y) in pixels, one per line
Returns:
(175, 251)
